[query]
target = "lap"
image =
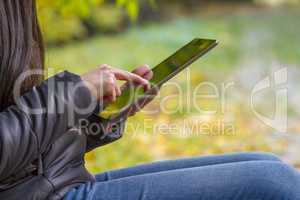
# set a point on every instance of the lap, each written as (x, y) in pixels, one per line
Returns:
(183, 163)
(238, 180)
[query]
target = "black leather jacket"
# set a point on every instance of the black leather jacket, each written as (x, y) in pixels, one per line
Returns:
(41, 155)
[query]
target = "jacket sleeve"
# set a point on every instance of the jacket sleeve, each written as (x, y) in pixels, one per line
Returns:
(96, 134)
(38, 118)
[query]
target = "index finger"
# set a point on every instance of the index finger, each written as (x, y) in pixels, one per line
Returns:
(128, 76)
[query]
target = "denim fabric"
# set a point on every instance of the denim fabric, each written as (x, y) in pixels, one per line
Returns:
(249, 176)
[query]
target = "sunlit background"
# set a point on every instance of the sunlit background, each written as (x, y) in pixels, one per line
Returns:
(257, 38)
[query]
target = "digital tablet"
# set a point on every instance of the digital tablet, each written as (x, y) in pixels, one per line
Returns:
(161, 74)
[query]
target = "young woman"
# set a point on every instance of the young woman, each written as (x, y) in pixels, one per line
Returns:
(42, 146)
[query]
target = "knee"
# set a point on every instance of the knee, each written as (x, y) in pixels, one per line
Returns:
(262, 156)
(275, 180)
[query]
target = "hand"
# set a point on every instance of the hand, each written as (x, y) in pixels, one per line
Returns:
(145, 72)
(102, 82)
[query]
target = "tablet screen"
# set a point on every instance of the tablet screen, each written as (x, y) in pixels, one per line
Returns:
(161, 73)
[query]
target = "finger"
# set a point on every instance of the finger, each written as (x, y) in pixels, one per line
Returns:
(110, 89)
(144, 101)
(132, 111)
(118, 91)
(105, 67)
(117, 88)
(113, 95)
(148, 76)
(128, 76)
(115, 92)
(144, 71)
(109, 128)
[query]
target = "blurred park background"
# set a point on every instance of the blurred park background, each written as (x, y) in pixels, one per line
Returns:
(257, 37)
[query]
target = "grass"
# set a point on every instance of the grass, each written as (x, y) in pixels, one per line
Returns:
(264, 36)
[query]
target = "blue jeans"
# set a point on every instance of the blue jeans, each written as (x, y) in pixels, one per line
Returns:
(249, 176)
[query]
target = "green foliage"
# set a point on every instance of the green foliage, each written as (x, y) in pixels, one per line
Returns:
(67, 8)
(62, 20)
(106, 19)
(132, 7)
(59, 29)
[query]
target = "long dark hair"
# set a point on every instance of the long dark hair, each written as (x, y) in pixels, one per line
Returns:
(21, 47)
